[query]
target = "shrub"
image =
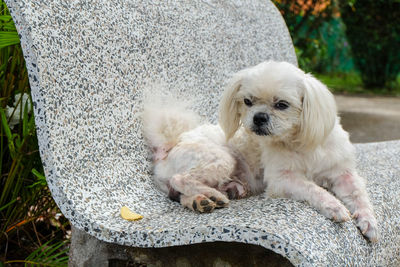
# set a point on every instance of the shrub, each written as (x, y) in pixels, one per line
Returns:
(30, 223)
(373, 31)
(304, 19)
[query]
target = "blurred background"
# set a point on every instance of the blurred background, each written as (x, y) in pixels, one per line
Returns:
(350, 45)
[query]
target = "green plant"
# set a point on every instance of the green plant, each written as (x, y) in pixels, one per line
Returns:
(351, 83)
(305, 20)
(47, 255)
(337, 53)
(299, 13)
(373, 30)
(27, 210)
(8, 33)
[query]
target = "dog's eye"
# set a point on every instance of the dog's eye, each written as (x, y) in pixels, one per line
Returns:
(248, 102)
(281, 105)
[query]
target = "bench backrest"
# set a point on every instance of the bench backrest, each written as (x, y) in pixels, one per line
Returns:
(90, 63)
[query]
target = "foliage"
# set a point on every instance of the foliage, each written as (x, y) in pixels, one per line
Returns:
(373, 30)
(27, 210)
(338, 56)
(298, 13)
(47, 255)
(318, 34)
(8, 33)
(304, 19)
(351, 83)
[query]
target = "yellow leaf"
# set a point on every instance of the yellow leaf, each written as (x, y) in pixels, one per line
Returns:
(127, 214)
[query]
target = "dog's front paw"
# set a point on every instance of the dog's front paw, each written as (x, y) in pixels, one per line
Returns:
(336, 211)
(367, 224)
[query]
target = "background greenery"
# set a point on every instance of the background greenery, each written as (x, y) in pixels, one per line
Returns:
(358, 55)
(352, 45)
(32, 229)
(373, 30)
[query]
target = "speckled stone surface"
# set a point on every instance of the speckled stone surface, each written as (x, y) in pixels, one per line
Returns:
(89, 65)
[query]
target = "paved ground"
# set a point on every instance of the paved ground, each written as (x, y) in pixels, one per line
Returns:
(370, 119)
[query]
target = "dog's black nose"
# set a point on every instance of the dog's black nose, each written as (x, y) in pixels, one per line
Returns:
(260, 118)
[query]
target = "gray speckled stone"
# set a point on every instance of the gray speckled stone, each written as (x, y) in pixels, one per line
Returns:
(89, 63)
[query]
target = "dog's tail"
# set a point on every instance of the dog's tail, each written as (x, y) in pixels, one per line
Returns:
(164, 120)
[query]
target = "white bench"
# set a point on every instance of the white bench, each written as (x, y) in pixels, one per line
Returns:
(89, 63)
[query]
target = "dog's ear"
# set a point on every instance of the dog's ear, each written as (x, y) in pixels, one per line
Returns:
(318, 115)
(229, 117)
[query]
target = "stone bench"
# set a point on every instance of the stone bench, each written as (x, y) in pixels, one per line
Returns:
(89, 65)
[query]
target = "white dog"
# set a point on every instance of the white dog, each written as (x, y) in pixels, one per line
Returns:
(193, 163)
(304, 148)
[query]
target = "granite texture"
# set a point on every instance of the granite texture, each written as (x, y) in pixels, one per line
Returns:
(89, 65)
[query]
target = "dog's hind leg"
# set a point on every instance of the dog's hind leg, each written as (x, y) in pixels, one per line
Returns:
(198, 202)
(197, 195)
(235, 189)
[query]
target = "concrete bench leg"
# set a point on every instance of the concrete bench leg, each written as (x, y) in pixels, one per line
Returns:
(88, 251)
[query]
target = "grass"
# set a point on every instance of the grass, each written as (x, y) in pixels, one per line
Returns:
(350, 83)
(31, 232)
(48, 254)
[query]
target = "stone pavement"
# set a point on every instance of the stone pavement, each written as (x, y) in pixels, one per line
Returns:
(370, 119)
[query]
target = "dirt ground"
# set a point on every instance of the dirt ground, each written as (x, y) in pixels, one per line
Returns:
(370, 119)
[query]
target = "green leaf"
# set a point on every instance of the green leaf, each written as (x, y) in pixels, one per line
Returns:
(8, 32)
(8, 204)
(41, 179)
(25, 126)
(6, 127)
(38, 174)
(8, 38)
(49, 255)
(18, 142)
(6, 23)
(9, 135)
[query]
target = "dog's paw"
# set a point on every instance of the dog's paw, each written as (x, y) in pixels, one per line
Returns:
(367, 224)
(336, 211)
(217, 197)
(203, 204)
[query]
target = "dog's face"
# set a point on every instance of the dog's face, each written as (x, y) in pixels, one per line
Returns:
(269, 103)
(277, 100)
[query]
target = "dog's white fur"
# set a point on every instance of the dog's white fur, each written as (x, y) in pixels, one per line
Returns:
(304, 149)
(193, 163)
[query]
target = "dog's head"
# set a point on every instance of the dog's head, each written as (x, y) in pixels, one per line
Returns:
(278, 100)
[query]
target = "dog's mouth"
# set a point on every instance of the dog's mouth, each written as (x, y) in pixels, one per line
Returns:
(261, 131)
